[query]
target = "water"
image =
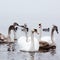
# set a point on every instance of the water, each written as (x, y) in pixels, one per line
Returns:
(53, 54)
(31, 12)
(19, 55)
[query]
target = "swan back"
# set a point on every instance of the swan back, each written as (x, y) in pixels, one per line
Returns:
(46, 39)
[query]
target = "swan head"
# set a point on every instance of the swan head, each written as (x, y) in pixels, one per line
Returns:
(35, 30)
(25, 28)
(16, 24)
(25, 25)
(40, 25)
(55, 28)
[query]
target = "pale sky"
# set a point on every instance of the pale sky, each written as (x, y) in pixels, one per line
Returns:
(31, 12)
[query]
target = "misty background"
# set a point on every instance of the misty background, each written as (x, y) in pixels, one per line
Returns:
(31, 12)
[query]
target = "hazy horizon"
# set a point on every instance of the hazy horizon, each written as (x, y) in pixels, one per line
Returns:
(31, 12)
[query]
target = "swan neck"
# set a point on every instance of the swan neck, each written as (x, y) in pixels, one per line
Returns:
(40, 33)
(52, 35)
(26, 34)
(32, 36)
(32, 41)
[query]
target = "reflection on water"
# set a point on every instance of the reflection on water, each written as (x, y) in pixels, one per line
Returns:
(10, 52)
(53, 51)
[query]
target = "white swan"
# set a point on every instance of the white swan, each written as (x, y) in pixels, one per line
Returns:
(31, 45)
(47, 40)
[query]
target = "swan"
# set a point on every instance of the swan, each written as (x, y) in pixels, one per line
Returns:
(32, 44)
(2, 37)
(12, 31)
(47, 41)
(25, 30)
(13, 28)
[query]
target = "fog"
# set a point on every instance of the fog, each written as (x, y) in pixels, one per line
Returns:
(31, 12)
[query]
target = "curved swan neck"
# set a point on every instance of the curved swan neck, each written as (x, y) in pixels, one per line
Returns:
(25, 29)
(40, 31)
(32, 40)
(12, 27)
(40, 34)
(26, 33)
(52, 32)
(54, 28)
(32, 36)
(32, 33)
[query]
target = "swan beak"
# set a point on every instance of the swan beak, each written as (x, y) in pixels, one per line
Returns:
(15, 24)
(21, 26)
(57, 32)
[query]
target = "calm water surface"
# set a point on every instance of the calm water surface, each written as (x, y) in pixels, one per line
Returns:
(19, 55)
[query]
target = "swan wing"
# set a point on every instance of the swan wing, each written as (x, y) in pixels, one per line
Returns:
(36, 44)
(23, 45)
(46, 39)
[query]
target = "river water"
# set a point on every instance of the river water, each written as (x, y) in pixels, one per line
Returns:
(53, 54)
(20, 55)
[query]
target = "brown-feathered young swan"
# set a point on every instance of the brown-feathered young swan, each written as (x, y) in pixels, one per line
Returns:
(47, 40)
(2, 37)
(32, 44)
(12, 30)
